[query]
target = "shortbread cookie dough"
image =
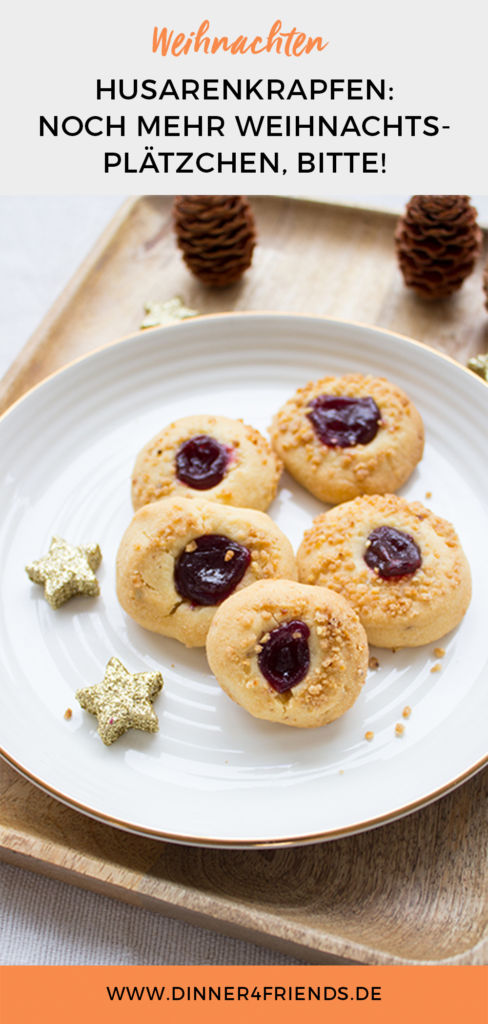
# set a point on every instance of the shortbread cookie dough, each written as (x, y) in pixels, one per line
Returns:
(345, 436)
(212, 457)
(289, 653)
(181, 557)
(401, 567)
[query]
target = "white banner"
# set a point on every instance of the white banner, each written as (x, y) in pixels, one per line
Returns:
(308, 98)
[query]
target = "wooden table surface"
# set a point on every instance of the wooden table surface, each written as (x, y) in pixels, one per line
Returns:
(412, 891)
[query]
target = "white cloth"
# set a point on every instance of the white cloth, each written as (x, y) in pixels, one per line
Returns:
(43, 239)
(47, 922)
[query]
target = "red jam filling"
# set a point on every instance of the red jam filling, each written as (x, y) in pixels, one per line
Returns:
(211, 571)
(285, 657)
(201, 462)
(341, 422)
(392, 553)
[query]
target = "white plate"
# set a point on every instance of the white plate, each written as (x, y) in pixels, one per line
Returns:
(214, 775)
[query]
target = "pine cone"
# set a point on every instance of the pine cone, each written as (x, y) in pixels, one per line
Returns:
(437, 242)
(216, 235)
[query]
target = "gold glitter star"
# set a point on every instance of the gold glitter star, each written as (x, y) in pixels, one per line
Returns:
(66, 571)
(479, 365)
(122, 701)
(162, 314)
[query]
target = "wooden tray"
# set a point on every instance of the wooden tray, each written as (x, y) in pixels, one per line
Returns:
(413, 891)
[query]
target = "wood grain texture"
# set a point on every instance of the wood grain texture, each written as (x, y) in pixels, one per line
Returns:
(414, 891)
(310, 258)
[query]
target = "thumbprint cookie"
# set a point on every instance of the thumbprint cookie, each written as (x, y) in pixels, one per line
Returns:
(212, 457)
(180, 558)
(289, 653)
(345, 436)
(401, 567)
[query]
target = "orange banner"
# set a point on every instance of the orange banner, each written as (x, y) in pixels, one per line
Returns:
(54, 995)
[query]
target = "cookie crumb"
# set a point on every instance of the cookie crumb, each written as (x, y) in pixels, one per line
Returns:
(399, 729)
(428, 494)
(341, 771)
(437, 667)
(407, 711)
(369, 736)
(191, 546)
(393, 650)
(439, 652)
(373, 662)
(67, 714)
(228, 555)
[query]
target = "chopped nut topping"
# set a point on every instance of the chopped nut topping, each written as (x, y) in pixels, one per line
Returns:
(228, 555)
(191, 546)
